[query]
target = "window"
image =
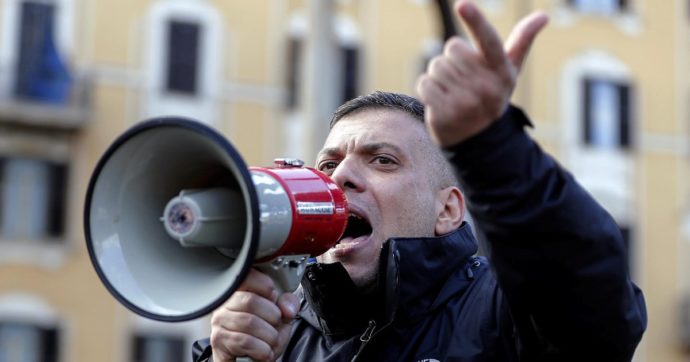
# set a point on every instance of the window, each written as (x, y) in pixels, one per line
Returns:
(345, 66)
(41, 74)
(183, 51)
(350, 62)
(607, 120)
(604, 7)
(294, 71)
(183, 56)
(158, 348)
(27, 342)
(32, 198)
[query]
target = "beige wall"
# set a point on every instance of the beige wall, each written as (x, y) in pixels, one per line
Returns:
(110, 43)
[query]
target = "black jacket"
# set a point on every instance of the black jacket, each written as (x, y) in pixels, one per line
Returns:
(558, 290)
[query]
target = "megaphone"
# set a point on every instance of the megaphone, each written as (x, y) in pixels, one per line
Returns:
(174, 219)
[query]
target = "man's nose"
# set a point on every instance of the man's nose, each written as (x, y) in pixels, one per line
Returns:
(347, 176)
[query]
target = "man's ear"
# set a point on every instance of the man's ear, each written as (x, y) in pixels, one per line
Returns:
(450, 210)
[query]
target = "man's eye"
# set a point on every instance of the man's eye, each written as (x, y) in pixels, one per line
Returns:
(327, 166)
(383, 160)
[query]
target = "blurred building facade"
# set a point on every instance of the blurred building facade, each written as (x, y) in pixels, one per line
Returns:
(607, 85)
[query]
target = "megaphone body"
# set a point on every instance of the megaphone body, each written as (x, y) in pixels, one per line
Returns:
(174, 219)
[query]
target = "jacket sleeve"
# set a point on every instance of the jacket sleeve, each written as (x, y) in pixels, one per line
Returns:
(558, 256)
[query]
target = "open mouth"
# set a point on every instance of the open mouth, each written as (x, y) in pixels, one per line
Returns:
(357, 226)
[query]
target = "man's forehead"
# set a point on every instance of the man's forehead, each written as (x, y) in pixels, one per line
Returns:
(377, 125)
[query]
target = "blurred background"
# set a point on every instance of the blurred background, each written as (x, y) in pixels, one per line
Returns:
(607, 85)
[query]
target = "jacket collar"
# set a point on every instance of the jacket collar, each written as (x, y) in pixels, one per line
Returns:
(419, 281)
(413, 280)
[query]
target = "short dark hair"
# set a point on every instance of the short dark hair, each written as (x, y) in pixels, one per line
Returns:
(379, 99)
(408, 105)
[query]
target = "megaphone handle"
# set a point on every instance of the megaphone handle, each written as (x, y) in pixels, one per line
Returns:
(286, 271)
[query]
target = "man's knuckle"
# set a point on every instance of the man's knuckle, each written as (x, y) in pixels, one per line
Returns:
(241, 341)
(454, 46)
(217, 337)
(425, 87)
(247, 300)
(216, 319)
(433, 66)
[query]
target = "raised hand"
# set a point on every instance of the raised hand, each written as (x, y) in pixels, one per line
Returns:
(254, 322)
(466, 89)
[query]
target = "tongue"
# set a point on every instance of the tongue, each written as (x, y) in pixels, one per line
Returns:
(350, 240)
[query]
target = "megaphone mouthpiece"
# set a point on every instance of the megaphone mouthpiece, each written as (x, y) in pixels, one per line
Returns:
(206, 218)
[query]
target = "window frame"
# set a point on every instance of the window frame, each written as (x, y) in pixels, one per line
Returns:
(9, 37)
(55, 202)
(157, 101)
(29, 309)
(49, 338)
(622, 7)
(140, 339)
(348, 41)
(48, 252)
(625, 122)
(188, 331)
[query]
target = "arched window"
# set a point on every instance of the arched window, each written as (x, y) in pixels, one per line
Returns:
(183, 60)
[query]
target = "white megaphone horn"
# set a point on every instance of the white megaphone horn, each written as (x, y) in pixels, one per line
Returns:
(174, 219)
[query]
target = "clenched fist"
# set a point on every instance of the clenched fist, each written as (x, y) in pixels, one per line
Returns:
(254, 322)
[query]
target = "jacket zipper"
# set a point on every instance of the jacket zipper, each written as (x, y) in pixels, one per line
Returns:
(365, 338)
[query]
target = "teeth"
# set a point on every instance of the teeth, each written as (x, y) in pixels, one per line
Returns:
(356, 216)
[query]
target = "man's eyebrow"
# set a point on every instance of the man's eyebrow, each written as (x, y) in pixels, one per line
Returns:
(374, 147)
(330, 151)
(368, 148)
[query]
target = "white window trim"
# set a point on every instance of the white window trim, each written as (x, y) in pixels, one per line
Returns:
(591, 63)
(190, 331)
(46, 253)
(9, 36)
(629, 22)
(346, 31)
(27, 308)
(203, 105)
(31, 309)
(601, 65)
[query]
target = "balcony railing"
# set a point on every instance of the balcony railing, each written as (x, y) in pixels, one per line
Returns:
(70, 113)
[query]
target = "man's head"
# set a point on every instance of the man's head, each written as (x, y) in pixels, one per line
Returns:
(397, 182)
